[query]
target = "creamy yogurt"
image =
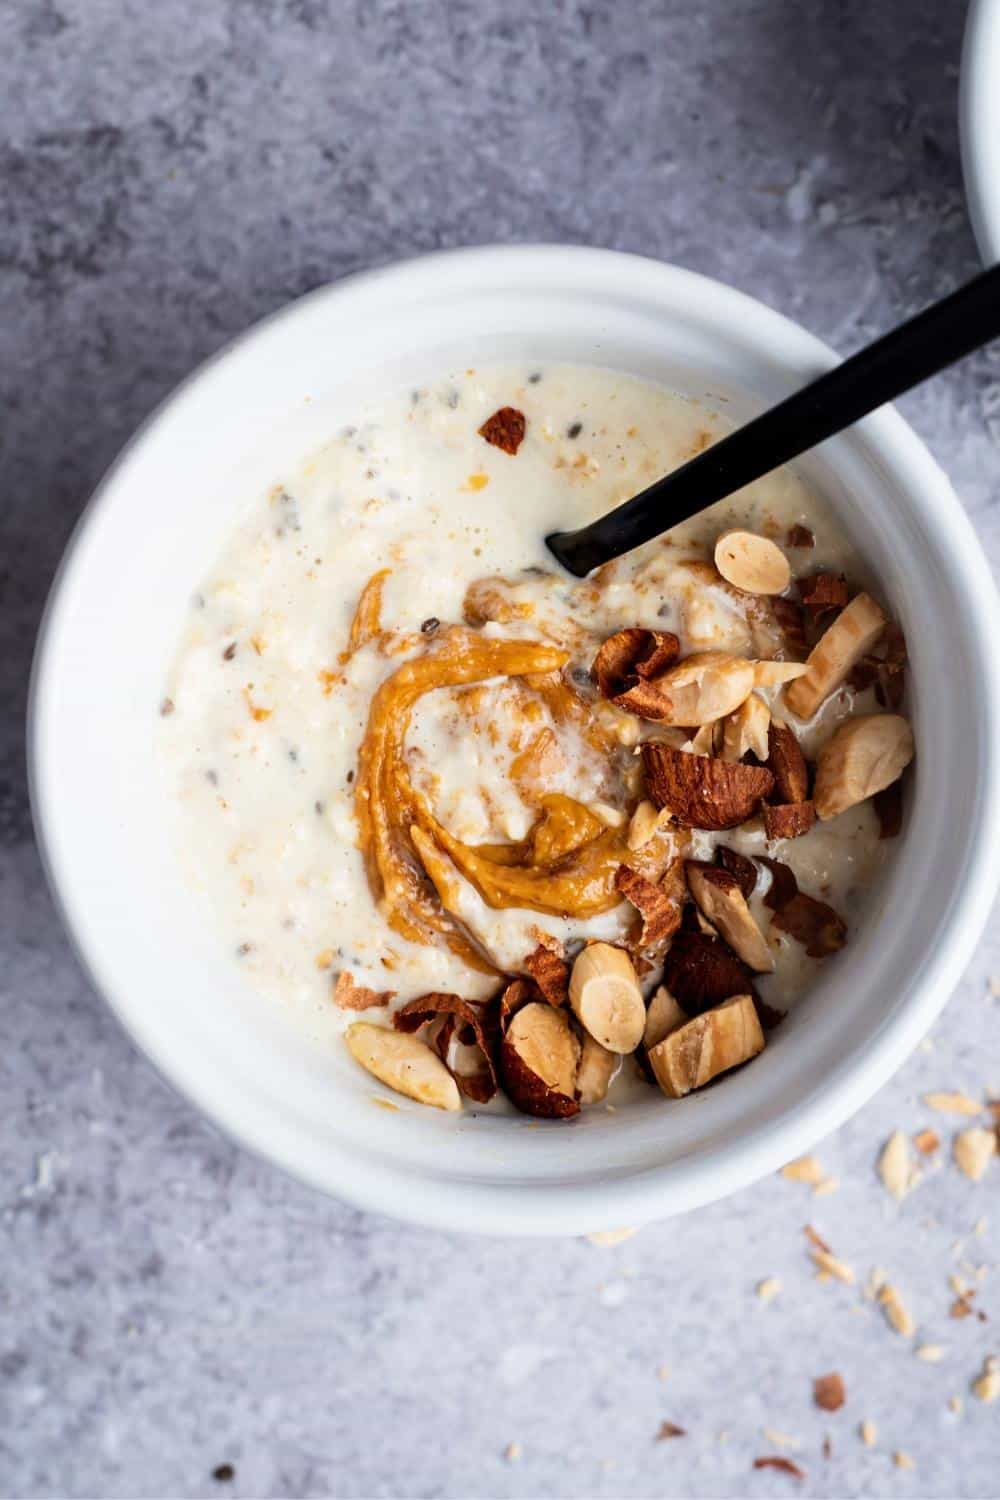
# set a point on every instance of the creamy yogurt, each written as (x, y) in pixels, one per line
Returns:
(265, 718)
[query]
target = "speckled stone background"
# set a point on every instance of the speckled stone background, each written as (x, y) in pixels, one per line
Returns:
(169, 173)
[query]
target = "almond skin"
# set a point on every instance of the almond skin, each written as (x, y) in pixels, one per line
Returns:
(752, 563)
(701, 792)
(864, 756)
(787, 764)
(788, 820)
(403, 1063)
(606, 999)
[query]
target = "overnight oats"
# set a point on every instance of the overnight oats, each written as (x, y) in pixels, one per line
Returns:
(512, 836)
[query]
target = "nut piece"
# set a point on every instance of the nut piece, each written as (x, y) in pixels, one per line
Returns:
(605, 995)
(707, 1046)
(786, 763)
(719, 896)
(701, 971)
(539, 1056)
(550, 971)
(660, 906)
(403, 1063)
(973, 1150)
(775, 673)
(746, 729)
(505, 429)
(841, 647)
(701, 792)
(627, 661)
(645, 822)
(752, 562)
(829, 1391)
(788, 820)
(824, 591)
(863, 757)
(703, 687)
(593, 1076)
(663, 1016)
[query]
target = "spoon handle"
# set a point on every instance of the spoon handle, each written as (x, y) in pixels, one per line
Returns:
(915, 350)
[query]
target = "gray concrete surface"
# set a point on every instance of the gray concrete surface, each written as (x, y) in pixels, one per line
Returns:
(169, 173)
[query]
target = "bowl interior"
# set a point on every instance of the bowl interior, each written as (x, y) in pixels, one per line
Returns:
(160, 519)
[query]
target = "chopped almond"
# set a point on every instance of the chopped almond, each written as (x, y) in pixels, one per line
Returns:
(896, 1311)
(786, 764)
(643, 826)
(953, 1103)
(701, 792)
(625, 663)
(737, 864)
(824, 591)
(987, 1387)
(894, 1165)
(403, 1063)
(660, 905)
(752, 563)
(828, 1265)
(351, 996)
(720, 898)
(777, 673)
(787, 820)
(606, 999)
(505, 429)
(804, 1169)
(973, 1150)
(701, 971)
(539, 1057)
(864, 756)
(594, 1074)
(702, 688)
(746, 729)
(853, 632)
(477, 1028)
(711, 1044)
(663, 1016)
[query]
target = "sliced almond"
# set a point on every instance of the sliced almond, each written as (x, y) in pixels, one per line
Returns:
(709, 1045)
(539, 1057)
(746, 729)
(952, 1103)
(702, 792)
(752, 562)
(663, 1016)
(777, 673)
(605, 995)
(853, 632)
(862, 757)
(708, 740)
(703, 688)
(594, 1074)
(403, 1063)
(720, 898)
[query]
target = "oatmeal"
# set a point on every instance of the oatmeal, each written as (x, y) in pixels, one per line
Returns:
(413, 763)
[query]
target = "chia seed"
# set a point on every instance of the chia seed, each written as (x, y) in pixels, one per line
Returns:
(574, 430)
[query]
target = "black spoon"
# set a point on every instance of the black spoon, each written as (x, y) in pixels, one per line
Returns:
(914, 351)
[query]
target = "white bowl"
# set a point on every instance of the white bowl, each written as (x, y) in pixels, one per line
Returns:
(156, 523)
(979, 117)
